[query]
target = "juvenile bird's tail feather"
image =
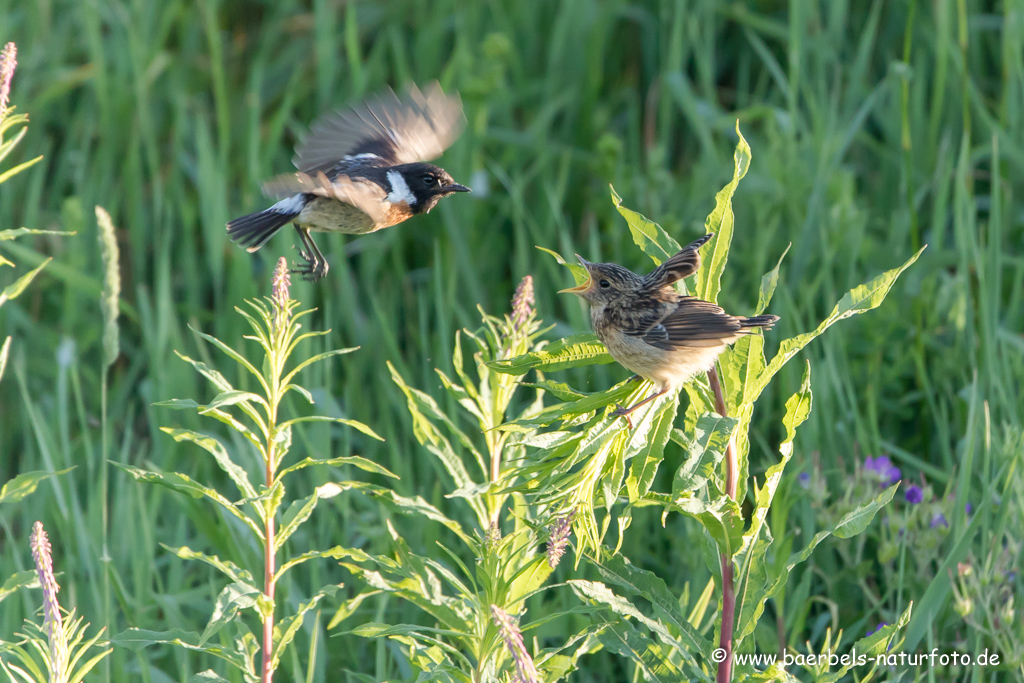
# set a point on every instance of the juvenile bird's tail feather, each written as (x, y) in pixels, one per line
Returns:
(253, 231)
(766, 321)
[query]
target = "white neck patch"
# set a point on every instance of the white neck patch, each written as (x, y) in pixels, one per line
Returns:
(400, 191)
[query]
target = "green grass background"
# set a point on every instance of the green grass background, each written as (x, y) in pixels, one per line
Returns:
(875, 127)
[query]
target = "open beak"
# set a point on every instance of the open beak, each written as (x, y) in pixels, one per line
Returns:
(586, 285)
(455, 187)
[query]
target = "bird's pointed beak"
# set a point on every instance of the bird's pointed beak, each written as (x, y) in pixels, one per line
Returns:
(579, 289)
(455, 187)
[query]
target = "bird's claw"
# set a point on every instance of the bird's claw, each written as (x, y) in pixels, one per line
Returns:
(312, 269)
(622, 412)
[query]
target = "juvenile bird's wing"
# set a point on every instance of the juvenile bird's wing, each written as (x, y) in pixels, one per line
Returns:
(363, 194)
(688, 323)
(417, 127)
(683, 264)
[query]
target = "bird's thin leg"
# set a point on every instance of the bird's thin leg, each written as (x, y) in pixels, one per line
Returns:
(315, 266)
(624, 412)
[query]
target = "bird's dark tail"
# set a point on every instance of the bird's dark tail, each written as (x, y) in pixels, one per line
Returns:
(766, 321)
(253, 231)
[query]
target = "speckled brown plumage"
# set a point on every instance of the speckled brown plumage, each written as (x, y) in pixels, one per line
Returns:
(653, 330)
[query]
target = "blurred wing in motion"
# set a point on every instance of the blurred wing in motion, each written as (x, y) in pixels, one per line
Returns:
(418, 127)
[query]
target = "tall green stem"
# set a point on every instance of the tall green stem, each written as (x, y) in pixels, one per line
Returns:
(728, 589)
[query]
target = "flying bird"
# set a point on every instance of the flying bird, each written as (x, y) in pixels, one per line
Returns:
(360, 169)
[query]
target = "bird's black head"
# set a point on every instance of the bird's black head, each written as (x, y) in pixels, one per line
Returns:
(421, 185)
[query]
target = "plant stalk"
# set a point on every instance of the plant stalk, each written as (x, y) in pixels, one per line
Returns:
(269, 567)
(728, 589)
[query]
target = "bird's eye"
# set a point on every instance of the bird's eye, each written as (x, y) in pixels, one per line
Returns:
(604, 284)
(429, 179)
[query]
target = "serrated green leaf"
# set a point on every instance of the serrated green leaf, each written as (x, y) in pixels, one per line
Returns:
(183, 484)
(425, 412)
(856, 521)
(650, 657)
(355, 424)
(219, 453)
(218, 380)
(300, 510)
(13, 290)
(579, 273)
(571, 352)
(645, 463)
(706, 448)
(6, 235)
(590, 403)
(849, 525)
(620, 571)
(768, 283)
(230, 398)
(560, 390)
(11, 172)
(178, 403)
(136, 639)
(354, 460)
(647, 234)
(798, 407)
(287, 379)
(721, 222)
(18, 581)
(24, 484)
(228, 568)
(600, 593)
(418, 506)
(337, 552)
(286, 629)
(234, 598)
(378, 630)
(233, 355)
(860, 299)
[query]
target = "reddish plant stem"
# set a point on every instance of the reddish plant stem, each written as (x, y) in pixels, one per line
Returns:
(269, 568)
(728, 589)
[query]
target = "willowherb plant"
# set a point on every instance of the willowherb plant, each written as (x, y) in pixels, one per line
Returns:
(256, 416)
(25, 483)
(596, 460)
(60, 643)
(475, 638)
(10, 121)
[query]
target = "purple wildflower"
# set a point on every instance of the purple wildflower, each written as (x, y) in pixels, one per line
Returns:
(876, 629)
(493, 536)
(558, 537)
(281, 283)
(805, 480)
(522, 302)
(7, 64)
(938, 519)
(914, 494)
(52, 620)
(508, 627)
(968, 508)
(883, 470)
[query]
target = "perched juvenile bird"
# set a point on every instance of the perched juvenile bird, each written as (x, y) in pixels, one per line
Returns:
(360, 170)
(652, 329)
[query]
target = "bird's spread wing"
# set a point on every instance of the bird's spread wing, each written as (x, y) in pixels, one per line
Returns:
(363, 194)
(690, 322)
(683, 264)
(417, 127)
